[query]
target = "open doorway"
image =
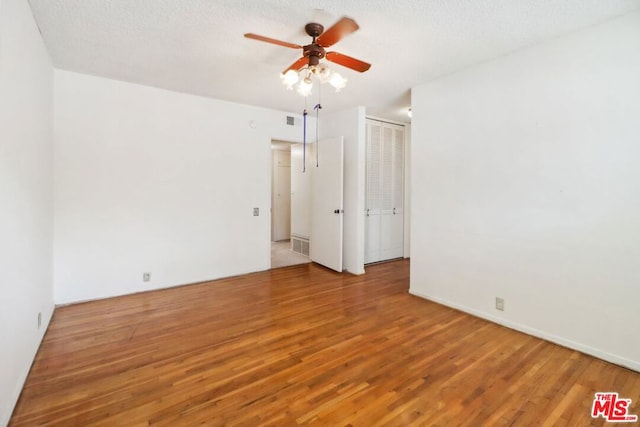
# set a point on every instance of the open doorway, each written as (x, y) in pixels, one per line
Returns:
(280, 191)
(290, 214)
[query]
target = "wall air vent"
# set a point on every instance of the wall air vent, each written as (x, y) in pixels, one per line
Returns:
(300, 245)
(290, 120)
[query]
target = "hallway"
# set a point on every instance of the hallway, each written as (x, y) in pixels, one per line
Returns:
(283, 256)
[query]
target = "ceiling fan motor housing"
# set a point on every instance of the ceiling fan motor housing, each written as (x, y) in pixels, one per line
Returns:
(314, 52)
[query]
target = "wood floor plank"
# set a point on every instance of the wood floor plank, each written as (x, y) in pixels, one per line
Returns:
(303, 345)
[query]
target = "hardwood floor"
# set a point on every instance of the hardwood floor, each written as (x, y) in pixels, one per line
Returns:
(303, 345)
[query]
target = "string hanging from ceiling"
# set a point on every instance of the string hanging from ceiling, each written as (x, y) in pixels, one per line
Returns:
(304, 137)
(317, 108)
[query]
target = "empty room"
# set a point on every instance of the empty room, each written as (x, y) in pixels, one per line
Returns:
(314, 212)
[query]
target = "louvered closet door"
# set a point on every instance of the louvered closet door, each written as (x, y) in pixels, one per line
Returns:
(395, 247)
(384, 215)
(373, 202)
(392, 217)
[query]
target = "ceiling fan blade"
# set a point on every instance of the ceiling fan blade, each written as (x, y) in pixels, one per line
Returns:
(297, 65)
(273, 41)
(340, 29)
(347, 61)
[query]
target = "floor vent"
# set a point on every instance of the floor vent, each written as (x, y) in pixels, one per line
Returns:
(300, 245)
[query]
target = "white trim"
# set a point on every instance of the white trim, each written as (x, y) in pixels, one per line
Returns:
(391, 122)
(407, 192)
(609, 357)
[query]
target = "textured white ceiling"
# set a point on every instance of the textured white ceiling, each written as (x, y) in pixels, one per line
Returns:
(197, 46)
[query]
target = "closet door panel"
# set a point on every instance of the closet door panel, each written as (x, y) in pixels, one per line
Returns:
(372, 239)
(396, 244)
(374, 179)
(398, 170)
(395, 248)
(373, 192)
(387, 172)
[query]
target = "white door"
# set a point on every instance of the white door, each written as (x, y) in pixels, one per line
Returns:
(325, 245)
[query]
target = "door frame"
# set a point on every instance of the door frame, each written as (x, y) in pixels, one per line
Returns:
(271, 141)
(407, 180)
(272, 209)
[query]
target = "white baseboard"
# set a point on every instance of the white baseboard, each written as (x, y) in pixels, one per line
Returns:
(6, 417)
(624, 362)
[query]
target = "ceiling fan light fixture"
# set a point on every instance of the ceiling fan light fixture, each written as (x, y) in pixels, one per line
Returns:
(307, 78)
(289, 78)
(305, 86)
(323, 72)
(337, 81)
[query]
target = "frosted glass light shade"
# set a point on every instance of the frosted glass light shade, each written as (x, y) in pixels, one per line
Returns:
(337, 81)
(289, 78)
(304, 88)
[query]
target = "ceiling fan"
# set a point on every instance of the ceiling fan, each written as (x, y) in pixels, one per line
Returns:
(315, 51)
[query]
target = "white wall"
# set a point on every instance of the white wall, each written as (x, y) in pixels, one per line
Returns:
(25, 197)
(526, 185)
(352, 125)
(148, 180)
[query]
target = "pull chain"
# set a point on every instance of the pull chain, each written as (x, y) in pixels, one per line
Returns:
(304, 137)
(304, 141)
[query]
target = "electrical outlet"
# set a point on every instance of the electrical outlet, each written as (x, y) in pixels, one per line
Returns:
(39, 319)
(499, 304)
(146, 277)
(256, 211)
